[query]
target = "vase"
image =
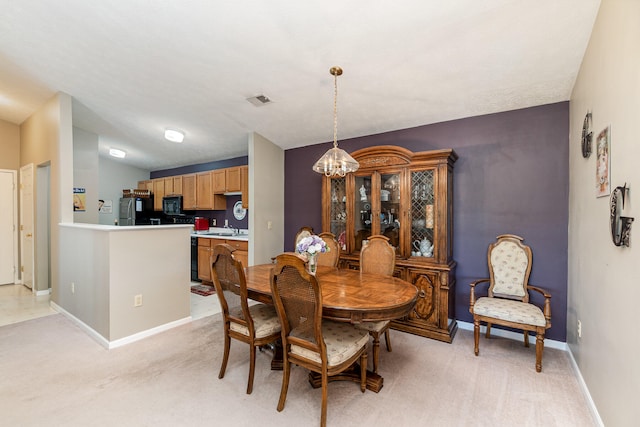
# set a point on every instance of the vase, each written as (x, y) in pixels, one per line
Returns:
(312, 264)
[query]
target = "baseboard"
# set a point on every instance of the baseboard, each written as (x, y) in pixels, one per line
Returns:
(585, 389)
(514, 335)
(547, 343)
(122, 341)
(41, 293)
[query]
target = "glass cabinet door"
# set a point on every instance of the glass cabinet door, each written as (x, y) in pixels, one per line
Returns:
(389, 212)
(338, 211)
(363, 212)
(422, 213)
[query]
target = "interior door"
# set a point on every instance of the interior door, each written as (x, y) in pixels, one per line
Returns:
(8, 237)
(26, 225)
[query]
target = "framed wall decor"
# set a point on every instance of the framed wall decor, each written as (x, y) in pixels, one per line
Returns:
(603, 163)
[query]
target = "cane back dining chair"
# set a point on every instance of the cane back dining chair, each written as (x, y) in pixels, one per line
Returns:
(507, 303)
(332, 256)
(323, 346)
(255, 325)
(378, 257)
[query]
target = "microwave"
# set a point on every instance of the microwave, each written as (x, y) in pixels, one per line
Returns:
(172, 205)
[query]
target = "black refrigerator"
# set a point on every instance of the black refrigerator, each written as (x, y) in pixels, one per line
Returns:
(135, 211)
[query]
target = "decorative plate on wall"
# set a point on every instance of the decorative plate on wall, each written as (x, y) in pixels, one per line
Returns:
(238, 211)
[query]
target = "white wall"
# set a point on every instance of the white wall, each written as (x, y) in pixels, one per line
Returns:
(114, 176)
(266, 199)
(604, 280)
(108, 266)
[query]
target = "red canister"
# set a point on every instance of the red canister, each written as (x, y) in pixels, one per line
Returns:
(201, 223)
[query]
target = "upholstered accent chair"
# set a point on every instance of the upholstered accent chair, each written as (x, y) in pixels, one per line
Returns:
(378, 257)
(507, 302)
(320, 345)
(256, 325)
(332, 256)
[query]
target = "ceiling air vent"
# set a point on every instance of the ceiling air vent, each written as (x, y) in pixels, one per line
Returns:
(259, 100)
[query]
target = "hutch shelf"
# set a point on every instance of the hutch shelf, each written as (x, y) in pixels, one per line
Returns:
(407, 197)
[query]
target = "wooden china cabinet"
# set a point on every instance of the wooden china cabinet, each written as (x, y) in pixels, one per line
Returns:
(407, 197)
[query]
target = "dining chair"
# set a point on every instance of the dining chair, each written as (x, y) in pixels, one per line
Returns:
(256, 325)
(507, 301)
(378, 257)
(332, 256)
(323, 346)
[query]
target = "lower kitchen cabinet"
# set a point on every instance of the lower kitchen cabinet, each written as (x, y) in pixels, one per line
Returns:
(206, 244)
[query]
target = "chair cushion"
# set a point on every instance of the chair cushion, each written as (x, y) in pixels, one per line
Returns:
(510, 263)
(265, 320)
(374, 326)
(513, 311)
(342, 339)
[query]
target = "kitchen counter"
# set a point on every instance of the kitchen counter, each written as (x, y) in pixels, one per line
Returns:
(222, 233)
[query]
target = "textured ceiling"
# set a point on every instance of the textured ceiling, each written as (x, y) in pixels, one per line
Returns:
(136, 67)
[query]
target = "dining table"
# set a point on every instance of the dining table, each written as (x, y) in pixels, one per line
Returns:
(347, 296)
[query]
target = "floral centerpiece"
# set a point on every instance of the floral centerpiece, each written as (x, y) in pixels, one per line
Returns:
(310, 247)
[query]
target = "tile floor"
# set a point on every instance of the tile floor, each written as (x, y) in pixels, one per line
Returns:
(17, 304)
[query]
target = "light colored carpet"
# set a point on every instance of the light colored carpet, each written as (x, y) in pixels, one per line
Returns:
(52, 373)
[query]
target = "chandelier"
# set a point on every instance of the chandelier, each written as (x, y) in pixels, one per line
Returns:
(335, 162)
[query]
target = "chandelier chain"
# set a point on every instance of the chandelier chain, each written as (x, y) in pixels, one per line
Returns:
(335, 110)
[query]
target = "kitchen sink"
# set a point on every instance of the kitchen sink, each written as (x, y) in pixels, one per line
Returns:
(222, 234)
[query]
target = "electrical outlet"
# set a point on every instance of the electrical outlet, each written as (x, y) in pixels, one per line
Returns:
(269, 225)
(579, 329)
(213, 222)
(226, 223)
(73, 288)
(137, 301)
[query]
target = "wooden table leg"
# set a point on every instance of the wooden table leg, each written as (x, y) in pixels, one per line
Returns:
(374, 381)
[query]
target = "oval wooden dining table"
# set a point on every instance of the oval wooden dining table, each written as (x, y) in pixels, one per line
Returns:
(348, 296)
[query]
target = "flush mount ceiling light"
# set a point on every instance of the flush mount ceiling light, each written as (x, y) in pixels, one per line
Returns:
(336, 162)
(117, 153)
(174, 135)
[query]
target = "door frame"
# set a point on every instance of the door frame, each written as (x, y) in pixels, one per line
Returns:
(14, 204)
(23, 202)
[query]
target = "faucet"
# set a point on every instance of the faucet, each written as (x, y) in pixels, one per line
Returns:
(236, 230)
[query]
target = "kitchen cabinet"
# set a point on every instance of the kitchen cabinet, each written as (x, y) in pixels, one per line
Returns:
(189, 192)
(244, 185)
(227, 180)
(158, 193)
(407, 197)
(205, 246)
(232, 177)
(205, 198)
(177, 185)
(145, 185)
(201, 191)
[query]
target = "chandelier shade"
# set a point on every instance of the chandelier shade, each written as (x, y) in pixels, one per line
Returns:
(336, 162)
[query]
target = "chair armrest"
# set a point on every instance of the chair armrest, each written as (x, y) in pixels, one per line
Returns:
(547, 303)
(472, 295)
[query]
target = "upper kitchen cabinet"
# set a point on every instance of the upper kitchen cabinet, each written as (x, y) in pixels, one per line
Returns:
(227, 180)
(158, 193)
(146, 185)
(189, 194)
(173, 186)
(406, 197)
(244, 184)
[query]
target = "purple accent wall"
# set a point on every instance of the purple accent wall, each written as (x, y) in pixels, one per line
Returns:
(511, 177)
